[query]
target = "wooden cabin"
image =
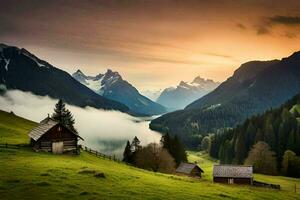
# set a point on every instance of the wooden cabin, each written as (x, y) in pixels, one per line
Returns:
(51, 136)
(230, 174)
(189, 169)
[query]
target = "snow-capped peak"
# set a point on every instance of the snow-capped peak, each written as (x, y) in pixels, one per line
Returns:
(99, 82)
(198, 80)
(79, 72)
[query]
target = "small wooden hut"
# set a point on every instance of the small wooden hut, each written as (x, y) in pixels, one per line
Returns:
(189, 169)
(51, 136)
(238, 174)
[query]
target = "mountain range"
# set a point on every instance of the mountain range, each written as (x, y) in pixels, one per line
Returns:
(254, 87)
(185, 93)
(152, 94)
(20, 69)
(112, 86)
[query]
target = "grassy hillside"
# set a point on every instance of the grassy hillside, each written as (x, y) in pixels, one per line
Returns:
(25, 174)
(14, 129)
(206, 163)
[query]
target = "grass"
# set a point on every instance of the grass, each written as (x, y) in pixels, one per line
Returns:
(13, 129)
(25, 174)
(206, 163)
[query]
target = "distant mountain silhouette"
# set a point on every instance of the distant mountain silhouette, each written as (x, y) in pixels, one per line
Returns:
(185, 93)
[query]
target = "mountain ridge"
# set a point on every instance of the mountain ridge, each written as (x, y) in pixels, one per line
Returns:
(112, 86)
(176, 98)
(237, 98)
(20, 69)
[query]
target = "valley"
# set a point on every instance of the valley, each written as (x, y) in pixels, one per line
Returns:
(48, 176)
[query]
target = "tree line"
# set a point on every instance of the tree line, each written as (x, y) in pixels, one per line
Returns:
(163, 157)
(274, 134)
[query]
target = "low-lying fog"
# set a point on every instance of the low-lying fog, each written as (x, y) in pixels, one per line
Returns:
(105, 131)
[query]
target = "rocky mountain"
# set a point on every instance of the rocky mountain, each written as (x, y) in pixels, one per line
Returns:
(254, 87)
(20, 69)
(152, 94)
(185, 93)
(112, 86)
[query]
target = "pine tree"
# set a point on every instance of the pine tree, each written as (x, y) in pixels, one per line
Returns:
(135, 145)
(240, 149)
(174, 147)
(165, 141)
(178, 153)
(63, 115)
(127, 154)
(291, 141)
(269, 132)
(59, 112)
(259, 135)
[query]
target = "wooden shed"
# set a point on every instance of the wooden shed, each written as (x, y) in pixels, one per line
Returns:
(238, 174)
(189, 169)
(51, 136)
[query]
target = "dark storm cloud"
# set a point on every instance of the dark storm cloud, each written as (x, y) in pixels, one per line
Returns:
(267, 24)
(285, 20)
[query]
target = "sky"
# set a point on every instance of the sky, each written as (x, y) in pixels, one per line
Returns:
(153, 44)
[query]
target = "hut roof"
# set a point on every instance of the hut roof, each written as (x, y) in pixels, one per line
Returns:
(187, 168)
(44, 126)
(233, 171)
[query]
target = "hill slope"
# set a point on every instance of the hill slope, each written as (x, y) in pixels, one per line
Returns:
(25, 174)
(277, 127)
(19, 69)
(13, 129)
(255, 87)
(112, 86)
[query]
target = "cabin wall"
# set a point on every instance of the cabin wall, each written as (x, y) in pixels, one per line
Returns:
(196, 172)
(246, 181)
(57, 134)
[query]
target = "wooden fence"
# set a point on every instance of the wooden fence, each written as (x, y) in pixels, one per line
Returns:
(267, 185)
(99, 154)
(9, 146)
(296, 189)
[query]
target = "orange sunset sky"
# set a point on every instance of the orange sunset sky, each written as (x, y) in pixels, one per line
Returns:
(153, 43)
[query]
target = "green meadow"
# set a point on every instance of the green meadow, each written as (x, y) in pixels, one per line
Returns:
(25, 174)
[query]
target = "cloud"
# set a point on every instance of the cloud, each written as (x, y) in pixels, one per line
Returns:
(290, 35)
(262, 30)
(269, 23)
(285, 20)
(105, 131)
(241, 26)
